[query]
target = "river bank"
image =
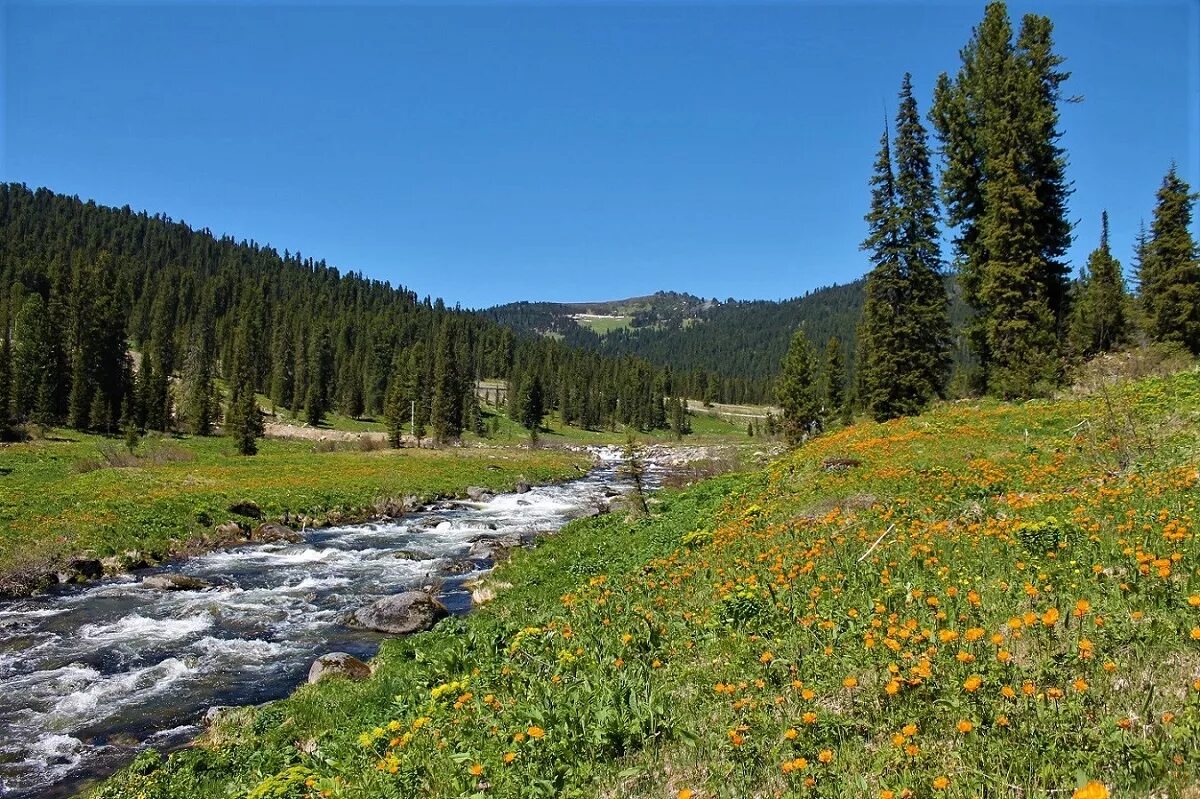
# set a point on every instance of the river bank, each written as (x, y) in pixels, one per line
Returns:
(103, 670)
(74, 507)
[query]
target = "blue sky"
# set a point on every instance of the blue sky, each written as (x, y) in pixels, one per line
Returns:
(491, 152)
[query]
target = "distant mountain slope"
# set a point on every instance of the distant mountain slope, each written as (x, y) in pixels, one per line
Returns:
(743, 340)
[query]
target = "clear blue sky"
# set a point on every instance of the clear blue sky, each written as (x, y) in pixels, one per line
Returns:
(486, 153)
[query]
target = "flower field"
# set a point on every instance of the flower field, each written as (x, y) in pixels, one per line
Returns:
(989, 600)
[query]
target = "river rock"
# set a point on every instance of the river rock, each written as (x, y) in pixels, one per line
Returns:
(229, 531)
(271, 533)
(523, 487)
(402, 614)
(338, 664)
(174, 582)
(455, 568)
(430, 522)
(247, 508)
(214, 713)
(80, 570)
(493, 548)
(478, 494)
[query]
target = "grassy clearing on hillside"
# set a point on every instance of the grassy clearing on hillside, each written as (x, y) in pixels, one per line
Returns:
(989, 600)
(61, 495)
(603, 324)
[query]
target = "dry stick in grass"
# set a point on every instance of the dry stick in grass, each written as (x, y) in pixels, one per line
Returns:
(871, 548)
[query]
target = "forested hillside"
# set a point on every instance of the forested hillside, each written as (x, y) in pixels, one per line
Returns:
(114, 319)
(743, 340)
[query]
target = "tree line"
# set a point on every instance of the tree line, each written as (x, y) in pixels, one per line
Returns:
(112, 320)
(1002, 191)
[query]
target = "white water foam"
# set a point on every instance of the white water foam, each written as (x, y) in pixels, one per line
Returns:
(136, 628)
(106, 695)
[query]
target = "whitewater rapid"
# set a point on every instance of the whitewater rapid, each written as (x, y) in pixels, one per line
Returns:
(93, 674)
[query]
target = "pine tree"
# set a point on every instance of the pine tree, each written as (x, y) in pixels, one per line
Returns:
(5, 383)
(33, 365)
(446, 410)
(244, 419)
(396, 409)
(200, 405)
(532, 404)
(1005, 190)
(904, 332)
(1098, 317)
(835, 378)
(1169, 270)
(797, 390)
(320, 375)
(416, 391)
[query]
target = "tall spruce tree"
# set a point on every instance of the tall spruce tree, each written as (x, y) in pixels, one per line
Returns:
(5, 382)
(33, 366)
(320, 378)
(797, 390)
(905, 330)
(532, 404)
(244, 419)
(1169, 272)
(1099, 319)
(396, 409)
(446, 408)
(1005, 189)
(835, 379)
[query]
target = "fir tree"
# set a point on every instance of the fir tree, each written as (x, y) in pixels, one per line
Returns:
(396, 409)
(797, 390)
(1004, 186)
(33, 365)
(244, 419)
(446, 408)
(835, 378)
(1098, 317)
(5, 383)
(320, 375)
(200, 405)
(1169, 273)
(532, 404)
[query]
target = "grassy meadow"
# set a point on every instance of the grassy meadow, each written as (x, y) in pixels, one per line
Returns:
(987, 600)
(71, 492)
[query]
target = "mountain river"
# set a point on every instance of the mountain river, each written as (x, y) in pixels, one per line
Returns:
(90, 675)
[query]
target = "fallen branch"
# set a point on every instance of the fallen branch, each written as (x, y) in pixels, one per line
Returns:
(871, 549)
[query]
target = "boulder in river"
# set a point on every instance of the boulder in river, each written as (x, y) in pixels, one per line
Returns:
(478, 494)
(230, 531)
(401, 614)
(523, 487)
(493, 548)
(80, 570)
(170, 581)
(338, 664)
(271, 533)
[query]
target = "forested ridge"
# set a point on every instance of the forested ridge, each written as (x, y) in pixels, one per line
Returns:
(118, 320)
(744, 341)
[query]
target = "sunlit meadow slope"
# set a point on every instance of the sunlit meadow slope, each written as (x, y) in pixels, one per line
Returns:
(988, 600)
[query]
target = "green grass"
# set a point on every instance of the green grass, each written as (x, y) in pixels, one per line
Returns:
(989, 600)
(52, 506)
(602, 326)
(706, 431)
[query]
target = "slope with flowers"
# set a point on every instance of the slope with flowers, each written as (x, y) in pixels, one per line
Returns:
(988, 600)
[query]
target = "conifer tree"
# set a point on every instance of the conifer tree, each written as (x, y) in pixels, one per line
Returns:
(200, 405)
(320, 375)
(1098, 317)
(835, 378)
(396, 409)
(532, 404)
(244, 419)
(1169, 270)
(797, 390)
(1005, 189)
(416, 391)
(33, 366)
(5, 383)
(446, 409)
